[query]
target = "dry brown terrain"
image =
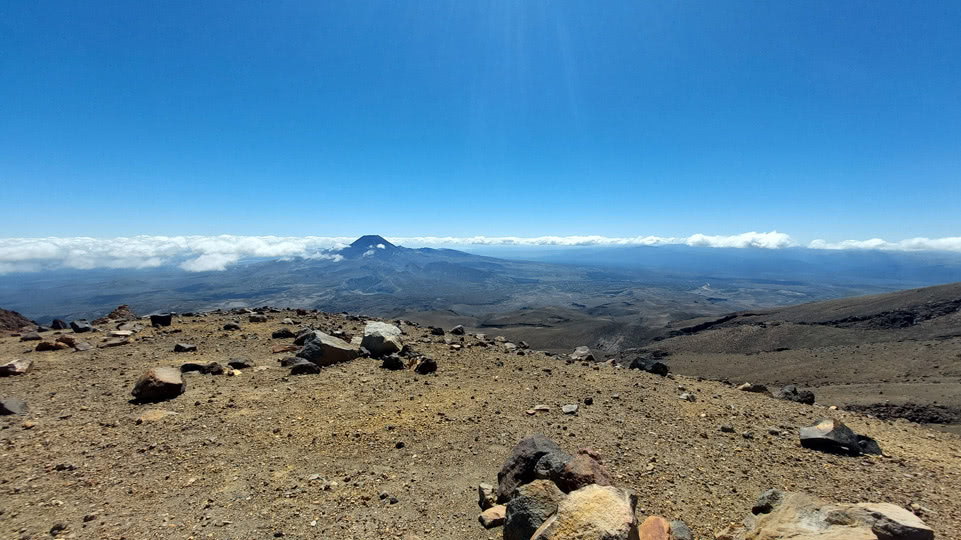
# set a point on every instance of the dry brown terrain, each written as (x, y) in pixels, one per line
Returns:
(264, 454)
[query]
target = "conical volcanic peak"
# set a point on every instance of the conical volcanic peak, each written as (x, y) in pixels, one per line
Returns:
(372, 241)
(368, 245)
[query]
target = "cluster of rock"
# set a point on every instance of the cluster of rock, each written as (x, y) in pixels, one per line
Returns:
(778, 514)
(788, 392)
(545, 493)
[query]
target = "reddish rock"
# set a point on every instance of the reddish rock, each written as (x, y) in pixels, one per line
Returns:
(159, 384)
(583, 470)
(654, 528)
(285, 348)
(493, 516)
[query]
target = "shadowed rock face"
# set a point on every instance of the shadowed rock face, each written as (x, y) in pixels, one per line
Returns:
(159, 384)
(325, 350)
(520, 466)
(796, 515)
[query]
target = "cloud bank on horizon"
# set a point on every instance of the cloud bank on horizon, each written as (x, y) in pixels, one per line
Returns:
(216, 253)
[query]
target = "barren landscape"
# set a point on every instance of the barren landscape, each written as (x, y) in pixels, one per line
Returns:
(359, 451)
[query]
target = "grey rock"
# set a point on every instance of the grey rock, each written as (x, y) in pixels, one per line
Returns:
(829, 435)
(680, 531)
(425, 366)
(185, 347)
(381, 338)
(80, 326)
(325, 350)
(12, 405)
(529, 507)
(791, 392)
(582, 353)
(457, 330)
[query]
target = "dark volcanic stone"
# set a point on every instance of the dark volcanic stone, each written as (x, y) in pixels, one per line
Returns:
(584, 469)
(830, 435)
(31, 336)
(159, 384)
(283, 333)
(240, 363)
(164, 319)
(437, 331)
(326, 350)
(80, 326)
(519, 467)
(231, 326)
(185, 347)
(59, 324)
(869, 445)
(426, 365)
(650, 366)
(392, 362)
(530, 506)
(12, 405)
(303, 367)
(457, 330)
(792, 393)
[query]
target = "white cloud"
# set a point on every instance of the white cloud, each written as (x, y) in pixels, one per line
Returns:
(911, 244)
(214, 253)
(770, 240)
(191, 253)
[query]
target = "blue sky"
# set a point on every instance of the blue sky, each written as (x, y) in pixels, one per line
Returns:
(823, 120)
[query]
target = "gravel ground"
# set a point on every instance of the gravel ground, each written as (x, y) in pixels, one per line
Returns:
(362, 452)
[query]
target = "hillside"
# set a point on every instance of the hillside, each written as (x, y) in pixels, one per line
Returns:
(359, 451)
(902, 347)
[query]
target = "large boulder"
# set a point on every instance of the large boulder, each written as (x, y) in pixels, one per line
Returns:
(325, 350)
(80, 326)
(163, 319)
(159, 384)
(59, 324)
(592, 512)
(519, 467)
(530, 506)
(829, 435)
(792, 393)
(15, 367)
(381, 338)
(799, 516)
(582, 353)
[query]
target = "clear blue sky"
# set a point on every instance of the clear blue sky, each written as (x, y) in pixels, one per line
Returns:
(829, 119)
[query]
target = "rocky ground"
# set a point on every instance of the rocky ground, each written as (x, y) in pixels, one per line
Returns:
(358, 451)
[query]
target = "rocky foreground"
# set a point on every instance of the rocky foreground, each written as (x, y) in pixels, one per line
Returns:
(283, 424)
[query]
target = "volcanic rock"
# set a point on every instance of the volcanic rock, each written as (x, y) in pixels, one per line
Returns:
(797, 515)
(11, 321)
(80, 326)
(829, 435)
(15, 367)
(650, 366)
(12, 405)
(530, 506)
(231, 326)
(755, 388)
(257, 317)
(519, 467)
(654, 528)
(381, 338)
(159, 384)
(592, 512)
(425, 365)
(59, 324)
(241, 363)
(31, 336)
(303, 367)
(791, 392)
(325, 350)
(120, 313)
(283, 333)
(583, 469)
(458, 330)
(185, 347)
(494, 516)
(582, 353)
(164, 319)
(486, 497)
